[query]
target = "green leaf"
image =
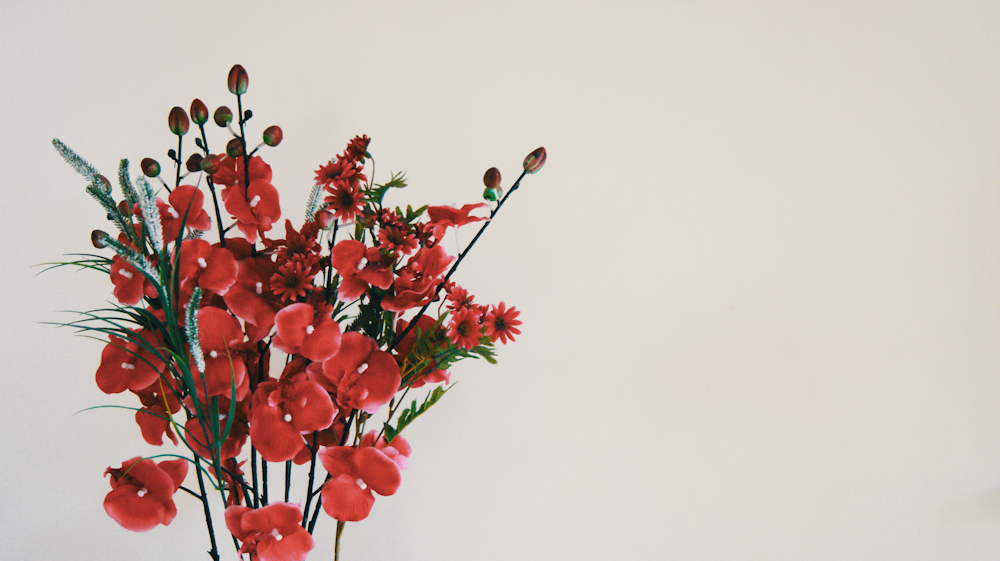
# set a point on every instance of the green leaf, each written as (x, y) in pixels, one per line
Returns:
(376, 193)
(408, 415)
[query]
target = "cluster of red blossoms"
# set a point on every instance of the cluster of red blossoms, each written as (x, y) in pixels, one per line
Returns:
(346, 296)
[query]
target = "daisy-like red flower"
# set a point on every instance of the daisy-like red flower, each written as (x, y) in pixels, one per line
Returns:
(501, 323)
(464, 329)
(397, 238)
(357, 147)
(344, 169)
(293, 280)
(345, 200)
(458, 297)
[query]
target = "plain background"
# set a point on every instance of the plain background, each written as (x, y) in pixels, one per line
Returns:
(758, 274)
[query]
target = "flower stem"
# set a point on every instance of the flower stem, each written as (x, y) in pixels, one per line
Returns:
(214, 553)
(413, 322)
(336, 547)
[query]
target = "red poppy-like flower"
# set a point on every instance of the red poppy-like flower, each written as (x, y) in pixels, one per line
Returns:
(231, 172)
(399, 451)
(362, 376)
(159, 403)
(464, 329)
(417, 280)
(125, 365)
(204, 265)
(359, 266)
(357, 147)
(442, 217)
(282, 410)
(130, 284)
(270, 533)
(142, 493)
(255, 208)
(184, 199)
(501, 323)
(426, 331)
(250, 298)
(221, 342)
(356, 472)
(306, 331)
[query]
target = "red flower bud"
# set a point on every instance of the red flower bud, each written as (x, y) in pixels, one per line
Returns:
(492, 178)
(123, 209)
(238, 80)
(150, 167)
(366, 218)
(223, 116)
(194, 163)
(199, 113)
(178, 121)
(273, 135)
(99, 239)
(535, 160)
(235, 148)
(210, 164)
(325, 219)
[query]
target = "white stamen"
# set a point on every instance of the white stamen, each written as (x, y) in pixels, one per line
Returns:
(222, 417)
(276, 535)
(288, 418)
(124, 273)
(254, 201)
(362, 263)
(213, 354)
(128, 366)
(362, 368)
(260, 288)
(310, 329)
(173, 213)
(142, 492)
(202, 263)
(361, 484)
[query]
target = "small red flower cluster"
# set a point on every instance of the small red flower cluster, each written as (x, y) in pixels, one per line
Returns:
(350, 315)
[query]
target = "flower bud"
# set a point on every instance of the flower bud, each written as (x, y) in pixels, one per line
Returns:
(238, 80)
(210, 164)
(493, 194)
(223, 116)
(492, 178)
(199, 113)
(273, 135)
(178, 121)
(194, 163)
(324, 219)
(366, 218)
(99, 239)
(235, 148)
(150, 167)
(123, 209)
(535, 160)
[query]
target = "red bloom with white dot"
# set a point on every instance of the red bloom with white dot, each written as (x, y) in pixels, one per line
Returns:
(270, 533)
(141, 496)
(356, 472)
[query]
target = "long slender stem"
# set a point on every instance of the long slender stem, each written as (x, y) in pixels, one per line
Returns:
(211, 188)
(288, 479)
(214, 553)
(454, 266)
(180, 160)
(336, 547)
(253, 472)
(312, 476)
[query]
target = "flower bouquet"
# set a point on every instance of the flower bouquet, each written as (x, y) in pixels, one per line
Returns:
(357, 300)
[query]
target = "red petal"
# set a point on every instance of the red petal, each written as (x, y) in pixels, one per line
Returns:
(176, 469)
(294, 545)
(234, 516)
(377, 470)
(275, 515)
(345, 501)
(309, 405)
(291, 323)
(132, 512)
(323, 342)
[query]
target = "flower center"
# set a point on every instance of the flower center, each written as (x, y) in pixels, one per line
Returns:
(288, 417)
(362, 368)
(361, 484)
(202, 263)
(124, 273)
(254, 201)
(276, 535)
(260, 288)
(173, 213)
(142, 492)
(128, 366)
(310, 329)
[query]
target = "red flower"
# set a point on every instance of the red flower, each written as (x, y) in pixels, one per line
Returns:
(294, 279)
(362, 376)
(209, 267)
(417, 280)
(355, 473)
(301, 330)
(501, 323)
(458, 297)
(184, 199)
(270, 533)
(396, 237)
(345, 200)
(441, 217)
(343, 170)
(130, 284)
(221, 341)
(127, 366)
(231, 172)
(357, 147)
(250, 298)
(142, 492)
(359, 266)
(282, 410)
(255, 208)
(464, 329)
